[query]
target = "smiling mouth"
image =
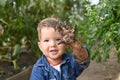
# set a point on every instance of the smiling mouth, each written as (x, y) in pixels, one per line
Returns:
(54, 51)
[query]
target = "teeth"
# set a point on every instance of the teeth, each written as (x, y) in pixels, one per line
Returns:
(53, 51)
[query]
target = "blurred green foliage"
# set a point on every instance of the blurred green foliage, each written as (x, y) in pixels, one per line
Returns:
(98, 25)
(105, 25)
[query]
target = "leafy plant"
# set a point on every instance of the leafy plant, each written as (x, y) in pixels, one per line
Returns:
(19, 20)
(105, 26)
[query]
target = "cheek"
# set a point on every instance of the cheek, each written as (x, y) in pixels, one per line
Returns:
(44, 47)
(41, 46)
(62, 47)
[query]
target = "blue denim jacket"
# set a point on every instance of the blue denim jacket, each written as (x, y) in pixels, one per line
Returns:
(70, 69)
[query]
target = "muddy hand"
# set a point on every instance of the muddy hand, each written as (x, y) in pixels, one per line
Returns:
(61, 42)
(68, 35)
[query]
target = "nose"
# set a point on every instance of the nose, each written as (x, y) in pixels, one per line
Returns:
(53, 43)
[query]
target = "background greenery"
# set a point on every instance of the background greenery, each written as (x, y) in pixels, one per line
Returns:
(98, 25)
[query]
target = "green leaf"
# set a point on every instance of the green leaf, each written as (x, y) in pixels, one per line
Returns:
(106, 56)
(16, 67)
(93, 55)
(16, 51)
(99, 58)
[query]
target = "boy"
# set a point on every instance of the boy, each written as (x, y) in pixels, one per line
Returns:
(55, 64)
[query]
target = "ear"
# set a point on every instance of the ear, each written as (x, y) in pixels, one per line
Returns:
(39, 45)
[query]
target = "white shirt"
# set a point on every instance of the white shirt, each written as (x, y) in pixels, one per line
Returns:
(57, 67)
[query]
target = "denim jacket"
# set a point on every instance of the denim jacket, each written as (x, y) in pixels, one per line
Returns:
(70, 69)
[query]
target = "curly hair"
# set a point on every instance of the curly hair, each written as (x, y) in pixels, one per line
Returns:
(51, 22)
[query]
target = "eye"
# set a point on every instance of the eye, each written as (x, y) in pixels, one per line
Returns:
(46, 40)
(58, 39)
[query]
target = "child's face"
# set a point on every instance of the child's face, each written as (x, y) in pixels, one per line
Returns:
(48, 44)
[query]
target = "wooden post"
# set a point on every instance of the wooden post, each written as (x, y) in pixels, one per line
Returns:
(24, 75)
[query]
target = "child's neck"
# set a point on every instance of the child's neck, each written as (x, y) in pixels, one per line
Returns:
(54, 62)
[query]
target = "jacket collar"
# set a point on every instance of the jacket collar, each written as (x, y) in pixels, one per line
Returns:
(44, 63)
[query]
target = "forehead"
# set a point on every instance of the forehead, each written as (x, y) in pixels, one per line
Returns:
(48, 31)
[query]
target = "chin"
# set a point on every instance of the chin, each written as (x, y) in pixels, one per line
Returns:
(55, 57)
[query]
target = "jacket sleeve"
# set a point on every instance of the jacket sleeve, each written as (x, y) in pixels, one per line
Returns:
(37, 73)
(79, 66)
